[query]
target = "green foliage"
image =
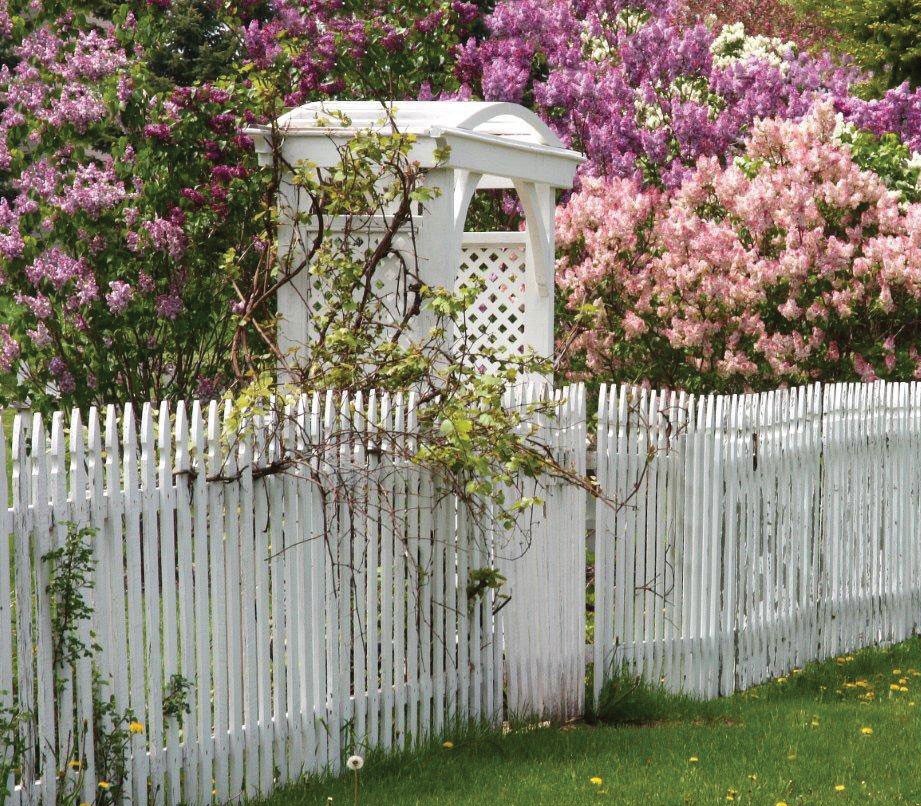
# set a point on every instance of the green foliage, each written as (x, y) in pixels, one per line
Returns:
(629, 700)
(70, 577)
(482, 580)
(176, 698)
(112, 747)
(882, 35)
(12, 745)
(888, 158)
(195, 46)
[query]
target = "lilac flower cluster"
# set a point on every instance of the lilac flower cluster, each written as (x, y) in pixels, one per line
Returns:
(645, 94)
(898, 111)
(9, 349)
(61, 232)
(124, 186)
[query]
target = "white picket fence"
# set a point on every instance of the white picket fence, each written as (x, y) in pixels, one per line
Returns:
(754, 532)
(325, 609)
(316, 612)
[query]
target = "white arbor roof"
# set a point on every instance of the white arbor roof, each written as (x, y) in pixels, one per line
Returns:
(501, 141)
(463, 147)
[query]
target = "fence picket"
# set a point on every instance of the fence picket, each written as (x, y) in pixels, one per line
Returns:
(152, 599)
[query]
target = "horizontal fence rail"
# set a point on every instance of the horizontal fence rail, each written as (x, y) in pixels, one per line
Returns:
(747, 535)
(253, 620)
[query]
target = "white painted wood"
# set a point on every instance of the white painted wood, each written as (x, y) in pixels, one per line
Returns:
(793, 511)
(275, 562)
(152, 602)
(233, 609)
(44, 656)
(170, 626)
(186, 607)
(218, 609)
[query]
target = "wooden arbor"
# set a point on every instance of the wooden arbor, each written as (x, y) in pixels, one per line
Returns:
(489, 146)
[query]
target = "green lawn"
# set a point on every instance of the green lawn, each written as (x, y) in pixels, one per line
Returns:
(799, 740)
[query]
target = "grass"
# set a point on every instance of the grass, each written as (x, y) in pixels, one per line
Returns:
(793, 741)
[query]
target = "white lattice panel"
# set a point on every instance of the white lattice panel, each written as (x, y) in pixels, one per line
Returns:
(390, 292)
(496, 319)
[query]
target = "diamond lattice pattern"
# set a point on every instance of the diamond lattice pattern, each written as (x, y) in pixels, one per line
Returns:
(496, 319)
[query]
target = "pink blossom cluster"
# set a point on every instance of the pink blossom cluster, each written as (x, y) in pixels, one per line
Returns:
(9, 350)
(789, 264)
(6, 20)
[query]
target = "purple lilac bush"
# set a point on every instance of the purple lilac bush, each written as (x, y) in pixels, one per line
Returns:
(135, 227)
(645, 93)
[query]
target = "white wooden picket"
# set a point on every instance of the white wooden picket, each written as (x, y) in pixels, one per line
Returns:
(310, 613)
(742, 536)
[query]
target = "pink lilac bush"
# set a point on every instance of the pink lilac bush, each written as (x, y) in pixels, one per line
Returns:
(790, 264)
(134, 220)
(645, 89)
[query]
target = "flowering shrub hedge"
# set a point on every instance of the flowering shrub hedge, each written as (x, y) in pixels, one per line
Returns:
(136, 233)
(792, 263)
(646, 93)
(135, 229)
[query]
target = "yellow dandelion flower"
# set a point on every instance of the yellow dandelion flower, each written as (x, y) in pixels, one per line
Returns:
(753, 776)
(839, 787)
(448, 745)
(867, 731)
(815, 722)
(781, 679)
(74, 765)
(136, 727)
(105, 785)
(596, 780)
(897, 671)
(693, 759)
(903, 681)
(893, 686)
(731, 794)
(781, 803)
